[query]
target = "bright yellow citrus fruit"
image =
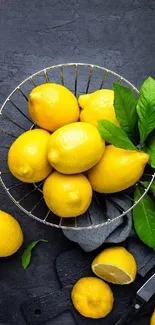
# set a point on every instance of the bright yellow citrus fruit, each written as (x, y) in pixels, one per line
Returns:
(67, 195)
(98, 106)
(117, 170)
(75, 147)
(152, 321)
(11, 236)
(52, 106)
(115, 265)
(27, 157)
(92, 297)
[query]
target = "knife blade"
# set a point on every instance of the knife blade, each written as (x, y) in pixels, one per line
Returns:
(143, 295)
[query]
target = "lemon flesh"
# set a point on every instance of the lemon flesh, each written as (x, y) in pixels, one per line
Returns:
(115, 265)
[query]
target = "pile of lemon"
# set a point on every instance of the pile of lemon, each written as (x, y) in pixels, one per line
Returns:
(68, 152)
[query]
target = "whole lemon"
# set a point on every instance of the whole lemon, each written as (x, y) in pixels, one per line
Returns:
(115, 265)
(98, 106)
(27, 156)
(75, 148)
(11, 236)
(92, 297)
(152, 321)
(52, 106)
(67, 195)
(117, 170)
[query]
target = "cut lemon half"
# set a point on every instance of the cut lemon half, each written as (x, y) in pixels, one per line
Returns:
(115, 265)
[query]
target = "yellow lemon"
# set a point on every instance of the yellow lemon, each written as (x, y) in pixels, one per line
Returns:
(52, 106)
(67, 195)
(98, 106)
(117, 170)
(152, 321)
(115, 265)
(27, 157)
(11, 236)
(75, 148)
(92, 297)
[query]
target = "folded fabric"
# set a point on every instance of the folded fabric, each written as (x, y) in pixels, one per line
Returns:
(107, 225)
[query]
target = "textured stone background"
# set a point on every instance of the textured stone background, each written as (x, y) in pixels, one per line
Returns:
(117, 34)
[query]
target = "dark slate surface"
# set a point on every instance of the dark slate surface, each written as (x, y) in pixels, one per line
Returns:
(117, 34)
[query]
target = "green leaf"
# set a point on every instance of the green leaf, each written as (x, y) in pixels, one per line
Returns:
(125, 109)
(146, 109)
(150, 148)
(26, 257)
(144, 218)
(115, 135)
(152, 187)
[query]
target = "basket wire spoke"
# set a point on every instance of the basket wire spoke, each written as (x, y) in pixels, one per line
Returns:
(104, 79)
(85, 221)
(12, 121)
(61, 75)
(46, 76)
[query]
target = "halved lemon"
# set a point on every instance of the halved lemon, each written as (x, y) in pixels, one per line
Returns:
(115, 265)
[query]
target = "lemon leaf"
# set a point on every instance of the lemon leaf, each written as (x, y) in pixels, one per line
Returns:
(150, 148)
(146, 109)
(144, 218)
(26, 257)
(152, 187)
(125, 109)
(115, 135)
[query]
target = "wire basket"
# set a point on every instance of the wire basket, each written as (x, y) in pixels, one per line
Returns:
(80, 78)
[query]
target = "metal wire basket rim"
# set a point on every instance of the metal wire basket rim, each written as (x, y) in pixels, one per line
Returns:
(29, 213)
(67, 65)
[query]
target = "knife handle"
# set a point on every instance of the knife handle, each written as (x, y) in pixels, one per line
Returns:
(131, 312)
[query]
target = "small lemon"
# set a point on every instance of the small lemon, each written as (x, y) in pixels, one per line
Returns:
(52, 106)
(92, 297)
(67, 195)
(98, 106)
(27, 156)
(117, 170)
(11, 236)
(152, 321)
(75, 148)
(115, 265)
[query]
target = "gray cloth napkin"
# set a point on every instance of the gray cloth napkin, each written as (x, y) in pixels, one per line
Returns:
(103, 211)
(114, 230)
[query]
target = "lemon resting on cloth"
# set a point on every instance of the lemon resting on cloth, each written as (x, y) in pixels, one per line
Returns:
(92, 297)
(67, 195)
(115, 265)
(11, 235)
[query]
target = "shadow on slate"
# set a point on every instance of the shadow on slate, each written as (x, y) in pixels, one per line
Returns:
(71, 266)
